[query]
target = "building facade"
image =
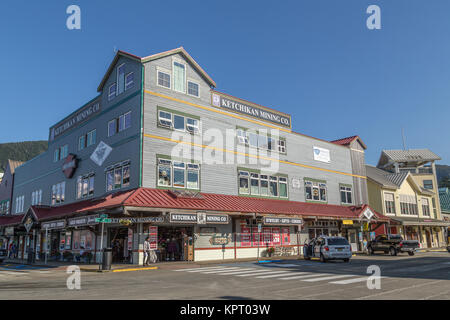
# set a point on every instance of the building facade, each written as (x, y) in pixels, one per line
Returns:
(403, 187)
(160, 129)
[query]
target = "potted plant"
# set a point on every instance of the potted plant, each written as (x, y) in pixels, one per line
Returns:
(87, 256)
(270, 251)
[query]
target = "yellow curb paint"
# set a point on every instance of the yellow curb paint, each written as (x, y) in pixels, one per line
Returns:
(134, 269)
(250, 155)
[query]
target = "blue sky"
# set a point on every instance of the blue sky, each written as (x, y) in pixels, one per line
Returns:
(315, 60)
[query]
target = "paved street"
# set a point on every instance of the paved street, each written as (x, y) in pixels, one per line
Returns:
(423, 276)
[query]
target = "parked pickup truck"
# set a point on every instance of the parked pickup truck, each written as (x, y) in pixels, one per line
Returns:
(392, 244)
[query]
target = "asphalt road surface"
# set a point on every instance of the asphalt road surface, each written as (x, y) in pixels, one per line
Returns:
(423, 276)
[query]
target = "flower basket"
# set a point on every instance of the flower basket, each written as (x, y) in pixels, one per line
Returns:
(270, 251)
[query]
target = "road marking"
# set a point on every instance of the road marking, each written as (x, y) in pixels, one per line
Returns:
(199, 268)
(257, 273)
(280, 273)
(348, 281)
(237, 272)
(228, 270)
(286, 265)
(218, 270)
(328, 278)
(306, 276)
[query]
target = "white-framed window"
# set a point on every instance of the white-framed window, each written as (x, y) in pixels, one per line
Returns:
(389, 203)
(178, 174)
(82, 142)
(112, 91)
(64, 151)
(264, 184)
(261, 141)
(254, 183)
(163, 78)
(426, 207)
(129, 80)
(283, 187)
(315, 191)
(20, 203)
(118, 176)
(56, 155)
(408, 205)
(91, 138)
(193, 89)
(178, 122)
(85, 186)
(58, 193)
(120, 78)
(273, 186)
(36, 197)
(346, 194)
(112, 127)
(165, 118)
(179, 76)
(244, 182)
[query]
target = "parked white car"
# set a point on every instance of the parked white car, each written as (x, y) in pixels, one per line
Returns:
(328, 248)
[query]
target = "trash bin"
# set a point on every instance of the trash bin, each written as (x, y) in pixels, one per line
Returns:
(107, 259)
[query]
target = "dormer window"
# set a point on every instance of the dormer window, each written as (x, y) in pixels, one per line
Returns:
(179, 77)
(111, 92)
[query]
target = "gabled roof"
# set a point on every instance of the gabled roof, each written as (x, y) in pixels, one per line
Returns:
(393, 180)
(180, 50)
(13, 164)
(413, 155)
(347, 141)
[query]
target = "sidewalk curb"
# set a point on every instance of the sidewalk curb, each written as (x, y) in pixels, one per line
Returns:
(117, 270)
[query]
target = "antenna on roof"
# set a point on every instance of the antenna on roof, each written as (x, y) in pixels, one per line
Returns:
(403, 139)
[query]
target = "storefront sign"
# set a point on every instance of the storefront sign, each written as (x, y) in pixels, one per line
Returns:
(131, 220)
(82, 221)
(70, 165)
(217, 219)
(368, 213)
(282, 221)
(321, 154)
(347, 222)
(153, 235)
(199, 217)
(57, 224)
(183, 217)
(9, 231)
(219, 240)
(234, 105)
(75, 119)
(130, 239)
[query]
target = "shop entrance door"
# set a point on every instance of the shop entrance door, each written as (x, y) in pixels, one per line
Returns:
(428, 238)
(353, 239)
(175, 244)
(118, 242)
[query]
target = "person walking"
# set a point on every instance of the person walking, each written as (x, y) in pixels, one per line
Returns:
(146, 252)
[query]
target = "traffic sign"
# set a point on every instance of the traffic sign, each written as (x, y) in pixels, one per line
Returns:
(103, 220)
(103, 215)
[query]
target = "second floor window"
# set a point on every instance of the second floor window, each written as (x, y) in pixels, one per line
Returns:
(119, 124)
(253, 183)
(257, 140)
(389, 203)
(36, 197)
(58, 193)
(178, 174)
(425, 207)
(178, 122)
(87, 140)
(316, 191)
(408, 204)
(4, 207)
(346, 194)
(118, 176)
(85, 186)
(20, 203)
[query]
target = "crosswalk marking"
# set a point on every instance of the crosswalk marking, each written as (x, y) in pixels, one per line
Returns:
(283, 265)
(257, 273)
(354, 280)
(279, 273)
(201, 270)
(220, 270)
(206, 268)
(229, 270)
(328, 278)
(237, 272)
(305, 276)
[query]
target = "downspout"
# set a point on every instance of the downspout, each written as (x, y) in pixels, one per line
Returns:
(141, 129)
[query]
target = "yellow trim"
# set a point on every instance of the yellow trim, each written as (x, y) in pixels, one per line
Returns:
(215, 110)
(134, 269)
(250, 155)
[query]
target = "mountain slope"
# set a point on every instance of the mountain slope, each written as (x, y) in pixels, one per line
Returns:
(22, 151)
